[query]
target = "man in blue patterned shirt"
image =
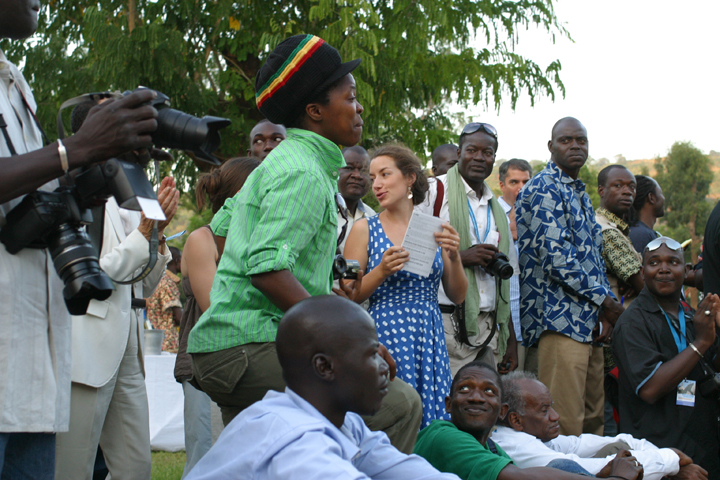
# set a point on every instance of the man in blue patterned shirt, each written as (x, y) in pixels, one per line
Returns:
(565, 302)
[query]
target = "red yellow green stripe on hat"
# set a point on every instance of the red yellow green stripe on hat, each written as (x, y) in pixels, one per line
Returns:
(297, 58)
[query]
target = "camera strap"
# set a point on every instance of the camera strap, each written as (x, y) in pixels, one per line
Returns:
(32, 114)
(8, 140)
(154, 243)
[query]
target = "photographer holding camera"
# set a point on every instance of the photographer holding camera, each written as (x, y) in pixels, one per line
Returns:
(35, 329)
(107, 360)
(480, 328)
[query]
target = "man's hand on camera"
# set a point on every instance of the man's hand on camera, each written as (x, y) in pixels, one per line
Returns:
(168, 197)
(478, 255)
(113, 128)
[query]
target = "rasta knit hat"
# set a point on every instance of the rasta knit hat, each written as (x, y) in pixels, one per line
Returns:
(299, 68)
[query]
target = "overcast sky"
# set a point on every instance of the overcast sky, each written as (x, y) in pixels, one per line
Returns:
(641, 75)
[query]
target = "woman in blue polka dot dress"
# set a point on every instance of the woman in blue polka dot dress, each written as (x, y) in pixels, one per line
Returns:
(403, 304)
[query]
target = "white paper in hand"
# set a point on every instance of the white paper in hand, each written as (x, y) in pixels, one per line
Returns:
(420, 243)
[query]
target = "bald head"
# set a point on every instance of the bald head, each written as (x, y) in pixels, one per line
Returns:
(444, 158)
(569, 145)
(563, 121)
(328, 351)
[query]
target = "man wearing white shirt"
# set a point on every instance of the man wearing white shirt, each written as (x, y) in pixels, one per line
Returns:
(529, 433)
(513, 175)
(353, 184)
(35, 328)
(333, 372)
(480, 329)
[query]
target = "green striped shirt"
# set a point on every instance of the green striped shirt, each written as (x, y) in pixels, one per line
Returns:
(284, 218)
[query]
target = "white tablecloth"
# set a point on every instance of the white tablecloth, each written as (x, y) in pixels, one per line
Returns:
(165, 401)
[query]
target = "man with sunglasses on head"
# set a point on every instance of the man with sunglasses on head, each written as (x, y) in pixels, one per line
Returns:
(665, 352)
(480, 328)
(564, 292)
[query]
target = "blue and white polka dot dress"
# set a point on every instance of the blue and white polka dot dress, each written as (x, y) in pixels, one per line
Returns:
(409, 324)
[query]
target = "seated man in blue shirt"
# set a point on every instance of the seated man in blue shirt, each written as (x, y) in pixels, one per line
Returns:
(463, 447)
(333, 371)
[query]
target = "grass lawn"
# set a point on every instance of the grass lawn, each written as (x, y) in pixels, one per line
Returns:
(167, 466)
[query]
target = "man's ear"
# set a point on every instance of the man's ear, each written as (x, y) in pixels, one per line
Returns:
(324, 367)
(515, 421)
(503, 411)
(601, 190)
(651, 198)
(448, 401)
(550, 145)
(434, 170)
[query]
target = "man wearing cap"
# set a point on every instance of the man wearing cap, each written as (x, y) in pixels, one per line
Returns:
(282, 235)
(480, 329)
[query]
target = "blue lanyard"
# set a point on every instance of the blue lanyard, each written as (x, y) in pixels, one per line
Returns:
(474, 222)
(681, 343)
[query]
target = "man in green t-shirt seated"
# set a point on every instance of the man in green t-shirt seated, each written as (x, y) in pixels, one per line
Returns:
(462, 445)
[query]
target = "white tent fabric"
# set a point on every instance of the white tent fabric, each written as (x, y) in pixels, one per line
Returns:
(166, 403)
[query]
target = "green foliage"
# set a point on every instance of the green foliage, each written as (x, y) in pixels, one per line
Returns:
(588, 174)
(685, 177)
(205, 55)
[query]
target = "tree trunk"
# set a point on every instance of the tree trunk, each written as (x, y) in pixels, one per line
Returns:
(131, 15)
(692, 293)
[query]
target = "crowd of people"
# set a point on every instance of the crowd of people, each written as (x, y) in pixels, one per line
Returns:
(491, 366)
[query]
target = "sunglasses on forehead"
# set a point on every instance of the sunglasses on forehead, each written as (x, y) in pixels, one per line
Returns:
(473, 127)
(667, 241)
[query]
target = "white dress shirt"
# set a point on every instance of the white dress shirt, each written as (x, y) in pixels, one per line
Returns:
(362, 211)
(479, 206)
(283, 437)
(34, 322)
(528, 451)
(514, 281)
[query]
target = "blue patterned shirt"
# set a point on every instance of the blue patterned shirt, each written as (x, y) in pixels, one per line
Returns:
(562, 273)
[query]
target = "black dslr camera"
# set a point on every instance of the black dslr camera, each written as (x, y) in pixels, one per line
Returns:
(55, 220)
(710, 386)
(500, 266)
(347, 269)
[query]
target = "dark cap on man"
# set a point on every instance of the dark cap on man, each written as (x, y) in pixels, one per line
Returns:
(299, 68)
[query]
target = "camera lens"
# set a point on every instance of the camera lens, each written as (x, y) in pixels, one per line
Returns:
(500, 267)
(76, 261)
(339, 267)
(183, 131)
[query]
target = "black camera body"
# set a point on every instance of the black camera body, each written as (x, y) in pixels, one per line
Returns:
(52, 220)
(56, 220)
(499, 266)
(347, 269)
(710, 386)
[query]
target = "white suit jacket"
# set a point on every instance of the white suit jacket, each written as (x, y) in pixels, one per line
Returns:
(100, 336)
